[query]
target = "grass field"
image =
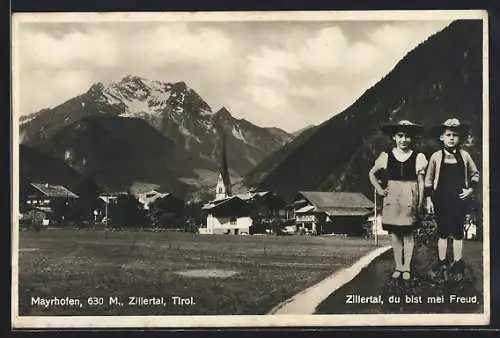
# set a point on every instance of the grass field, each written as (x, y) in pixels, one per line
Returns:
(83, 264)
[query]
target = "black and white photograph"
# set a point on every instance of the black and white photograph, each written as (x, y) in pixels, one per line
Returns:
(250, 169)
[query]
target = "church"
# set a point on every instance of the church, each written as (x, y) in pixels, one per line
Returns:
(226, 213)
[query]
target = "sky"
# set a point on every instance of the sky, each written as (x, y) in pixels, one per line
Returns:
(284, 74)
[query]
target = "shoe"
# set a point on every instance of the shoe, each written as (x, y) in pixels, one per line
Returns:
(458, 269)
(458, 266)
(396, 274)
(439, 270)
(406, 275)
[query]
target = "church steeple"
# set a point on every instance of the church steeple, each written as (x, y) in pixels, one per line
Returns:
(223, 188)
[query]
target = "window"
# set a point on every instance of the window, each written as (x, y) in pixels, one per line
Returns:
(220, 190)
(232, 221)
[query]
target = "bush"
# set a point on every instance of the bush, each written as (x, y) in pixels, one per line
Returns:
(427, 232)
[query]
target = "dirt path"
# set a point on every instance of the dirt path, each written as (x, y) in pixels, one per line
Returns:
(414, 295)
(306, 301)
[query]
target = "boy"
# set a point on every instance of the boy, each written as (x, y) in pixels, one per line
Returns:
(450, 179)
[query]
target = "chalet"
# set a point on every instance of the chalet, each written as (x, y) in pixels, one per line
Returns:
(267, 204)
(167, 209)
(149, 197)
(227, 214)
(52, 202)
(321, 212)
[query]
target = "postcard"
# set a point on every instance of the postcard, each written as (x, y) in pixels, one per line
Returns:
(250, 169)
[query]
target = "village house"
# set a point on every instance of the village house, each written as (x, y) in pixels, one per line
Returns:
(45, 202)
(268, 205)
(320, 212)
(226, 214)
(168, 209)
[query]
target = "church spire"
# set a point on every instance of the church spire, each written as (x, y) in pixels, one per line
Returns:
(224, 167)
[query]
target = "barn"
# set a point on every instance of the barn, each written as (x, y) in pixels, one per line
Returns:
(321, 212)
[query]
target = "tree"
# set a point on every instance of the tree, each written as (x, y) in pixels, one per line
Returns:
(193, 212)
(166, 212)
(128, 212)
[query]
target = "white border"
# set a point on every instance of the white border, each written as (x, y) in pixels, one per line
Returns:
(253, 16)
(259, 320)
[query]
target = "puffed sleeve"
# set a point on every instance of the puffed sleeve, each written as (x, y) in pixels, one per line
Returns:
(381, 161)
(421, 164)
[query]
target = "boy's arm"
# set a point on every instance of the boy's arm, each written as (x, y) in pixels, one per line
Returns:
(472, 169)
(429, 174)
(429, 183)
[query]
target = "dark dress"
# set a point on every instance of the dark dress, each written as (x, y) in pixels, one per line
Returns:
(400, 205)
(449, 208)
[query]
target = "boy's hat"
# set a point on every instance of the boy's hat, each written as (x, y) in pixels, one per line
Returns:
(401, 126)
(453, 124)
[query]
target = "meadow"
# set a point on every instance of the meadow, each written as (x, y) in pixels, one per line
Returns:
(253, 273)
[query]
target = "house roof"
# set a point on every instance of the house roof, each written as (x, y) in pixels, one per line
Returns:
(230, 201)
(138, 187)
(252, 194)
(346, 211)
(54, 190)
(151, 196)
(323, 199)
(112, 196)
(307, 208)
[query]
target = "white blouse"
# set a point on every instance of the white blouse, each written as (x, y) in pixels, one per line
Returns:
(420, 162)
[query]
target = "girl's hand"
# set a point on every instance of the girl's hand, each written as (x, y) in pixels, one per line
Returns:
(466, 193)
(420, 208)
(382, 192)
(429, 206)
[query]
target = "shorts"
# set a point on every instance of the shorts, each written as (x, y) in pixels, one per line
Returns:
(450, 217)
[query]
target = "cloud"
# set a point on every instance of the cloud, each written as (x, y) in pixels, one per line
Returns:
(274, 74)
(326, 50)
(37, 89)
(175, 43)
(269, 63)
(41, 50)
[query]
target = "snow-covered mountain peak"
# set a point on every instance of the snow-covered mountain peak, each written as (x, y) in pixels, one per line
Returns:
(138, 96)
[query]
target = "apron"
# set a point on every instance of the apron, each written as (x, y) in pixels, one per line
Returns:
(400, 204)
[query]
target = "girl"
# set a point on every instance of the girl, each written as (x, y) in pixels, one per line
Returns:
(403, 197)
(450, 179)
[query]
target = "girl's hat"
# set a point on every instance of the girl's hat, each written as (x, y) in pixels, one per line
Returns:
(453, 124)
(401, 126)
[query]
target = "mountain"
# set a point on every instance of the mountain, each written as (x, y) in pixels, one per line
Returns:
(301, 130)
(269, 164)
(440, 78)
(173, 109)
(36, 166)
(119, 151)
